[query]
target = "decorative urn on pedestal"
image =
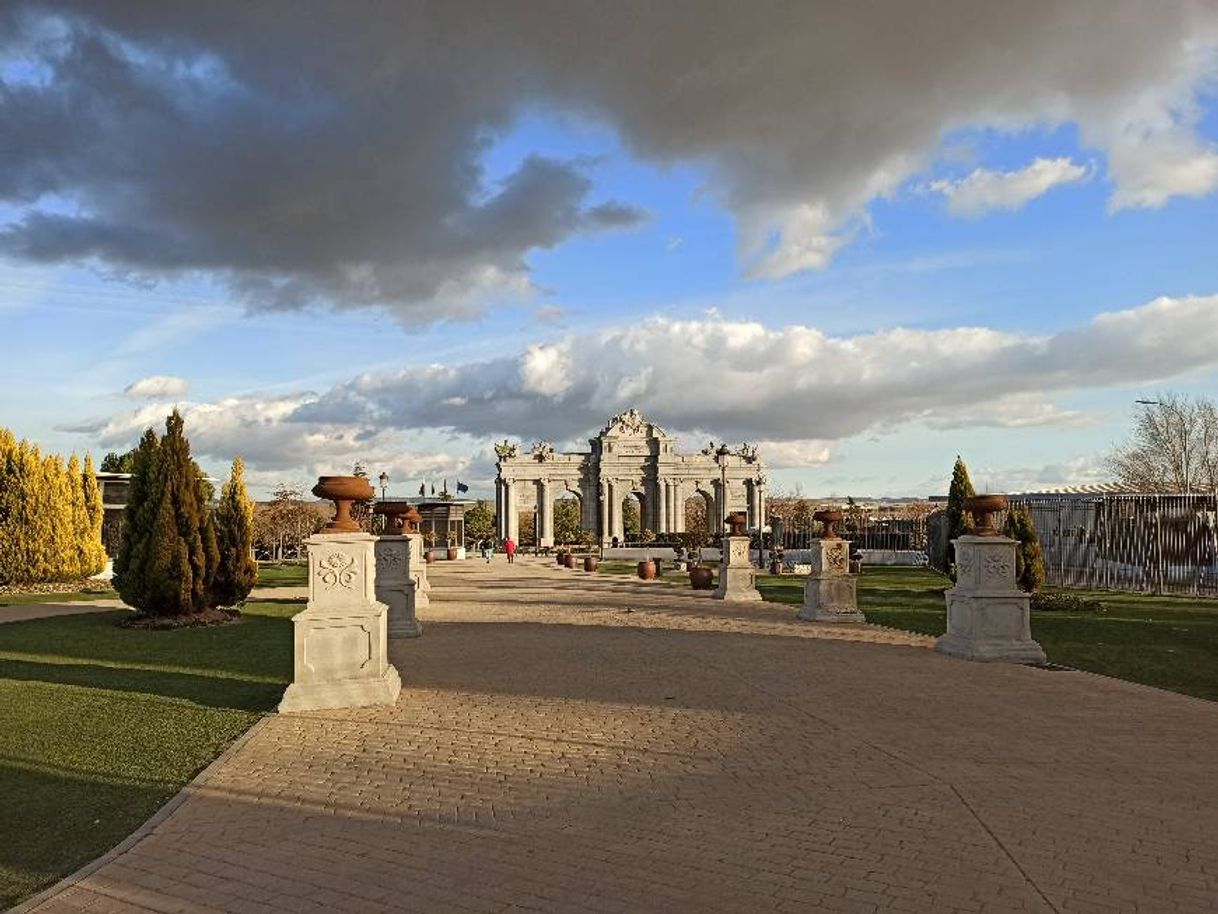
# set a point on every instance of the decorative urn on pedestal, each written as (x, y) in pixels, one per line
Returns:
(340, 638)
(988, 616)
(397, 564)
(737, 576)
(830, 591)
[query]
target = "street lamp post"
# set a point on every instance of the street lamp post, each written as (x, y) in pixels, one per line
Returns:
(384, 481)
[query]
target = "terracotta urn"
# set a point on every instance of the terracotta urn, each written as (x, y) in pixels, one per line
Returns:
(830, 517)
(429, 556)
(451, 553)
(775, 567)
(591, 563)
(568, 560)
(400, 516)
(701, 577)
(647, 570)
(736, 522)
(342, 490)
(983, 508)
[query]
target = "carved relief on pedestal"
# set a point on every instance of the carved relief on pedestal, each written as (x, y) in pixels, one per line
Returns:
(338, 570)
(997, 566)
(837, 557)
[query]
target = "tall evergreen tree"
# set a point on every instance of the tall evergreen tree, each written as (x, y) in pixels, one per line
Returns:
(94, 551)
(131, 563)
(236, 571)
(959, 521)
(169, 554)
(1029, 557)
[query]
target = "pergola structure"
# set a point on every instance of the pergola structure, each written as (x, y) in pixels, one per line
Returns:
(630, 456)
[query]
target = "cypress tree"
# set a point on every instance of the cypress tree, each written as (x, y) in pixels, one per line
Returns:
(959, 521)
(168, 558)
(9, 498)
(131, 562)
(1029, 557)
(236, 571)
(93, 550)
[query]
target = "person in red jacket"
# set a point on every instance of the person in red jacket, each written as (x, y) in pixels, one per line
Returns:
(509, 546)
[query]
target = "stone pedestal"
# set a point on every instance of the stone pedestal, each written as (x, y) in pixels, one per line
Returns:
(341, 656)
(395, 587)
(737, 577)
(987, 614)
(831, 591)
(418, 571)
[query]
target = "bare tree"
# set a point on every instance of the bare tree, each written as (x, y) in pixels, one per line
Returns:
(1173, 448)
(281, 525)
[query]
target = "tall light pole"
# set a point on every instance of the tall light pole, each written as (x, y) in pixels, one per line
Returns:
(384, 480)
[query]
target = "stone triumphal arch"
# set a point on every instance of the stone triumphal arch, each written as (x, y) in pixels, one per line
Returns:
(630, 456)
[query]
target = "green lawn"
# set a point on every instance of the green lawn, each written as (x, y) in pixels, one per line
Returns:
(22, 599)
(1169, 642)
(100, 725)
(285, 574)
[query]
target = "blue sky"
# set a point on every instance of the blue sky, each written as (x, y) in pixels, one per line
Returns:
(604, 305)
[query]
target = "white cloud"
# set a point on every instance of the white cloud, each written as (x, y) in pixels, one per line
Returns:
(157, 387)
(794, 389)
(983, 190)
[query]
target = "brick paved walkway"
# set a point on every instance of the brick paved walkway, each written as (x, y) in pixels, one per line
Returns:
(567, 742)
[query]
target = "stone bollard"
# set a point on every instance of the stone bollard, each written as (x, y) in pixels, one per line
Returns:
(988, 616)
(737, 577)
(395, 586)
(340, 644)
(831, 591)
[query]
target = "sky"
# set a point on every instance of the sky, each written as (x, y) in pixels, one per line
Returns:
(865, 237)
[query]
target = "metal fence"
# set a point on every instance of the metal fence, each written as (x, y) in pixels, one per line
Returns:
(1160, 544)
(879, 539)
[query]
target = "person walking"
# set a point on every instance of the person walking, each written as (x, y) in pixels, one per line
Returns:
(488, 548)
(509, 546)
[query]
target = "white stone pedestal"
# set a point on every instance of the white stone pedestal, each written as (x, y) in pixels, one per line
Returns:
(737, 576)
(418, 571)
(395, 587)
(987, 614)
(341, 656)
(831, 591)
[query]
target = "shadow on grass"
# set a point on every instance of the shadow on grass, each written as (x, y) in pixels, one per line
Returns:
(210, 691)
(54, 824)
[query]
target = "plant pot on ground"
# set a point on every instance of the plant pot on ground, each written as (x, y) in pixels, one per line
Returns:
(560, 557)
(591, 563)
(452, 553)
(568, 560)
(646, 570)
(701, 577)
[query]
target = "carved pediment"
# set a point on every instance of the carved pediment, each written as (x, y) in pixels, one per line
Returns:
(632, 423)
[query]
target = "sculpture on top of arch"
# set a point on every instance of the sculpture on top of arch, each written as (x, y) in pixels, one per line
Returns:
(629, 456)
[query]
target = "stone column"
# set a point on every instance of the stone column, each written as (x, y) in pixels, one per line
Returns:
(604, 513)
(661, 506)
(510, 510)
(831, 591)
(737, 577)
(545, 513)
(761, 512)
(500, 516)
(340, 645)
(395, 586)
(988, 616)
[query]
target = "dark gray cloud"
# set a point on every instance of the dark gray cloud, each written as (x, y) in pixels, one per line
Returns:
(331, 152)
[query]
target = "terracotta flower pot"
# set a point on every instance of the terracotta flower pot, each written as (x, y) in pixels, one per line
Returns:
(429, 556)
(591, 563)
(342, 490)
(830, 517)
(701, 578)
(647, 571)
(983, 508)
(560, 558)
(775, 567)
(568, 560)
(452, 553)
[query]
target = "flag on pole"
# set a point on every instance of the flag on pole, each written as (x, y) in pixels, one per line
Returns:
(422, 488)
(461, 487)
(433, 488)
